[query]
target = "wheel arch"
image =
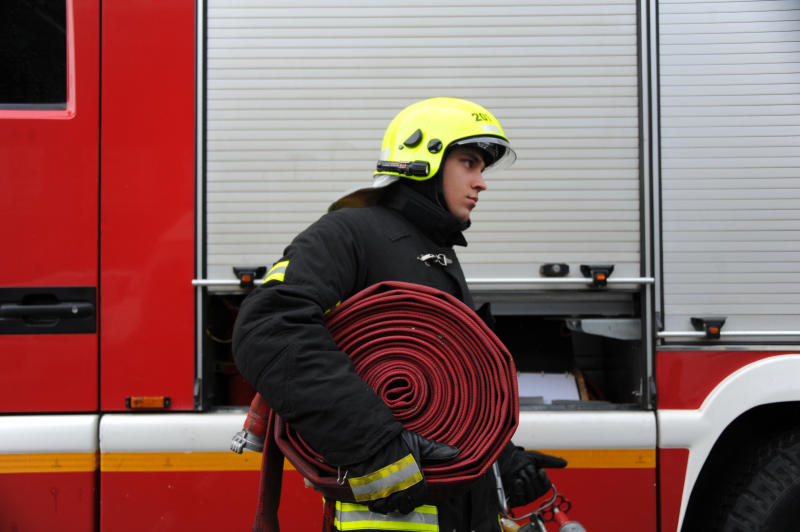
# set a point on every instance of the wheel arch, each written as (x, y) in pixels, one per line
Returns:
(751, 397)
(735, 446)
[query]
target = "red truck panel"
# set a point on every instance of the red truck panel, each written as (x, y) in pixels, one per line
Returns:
(685, 378)
(49, 183)
(203, 500)
(42, 502)
(147, 202)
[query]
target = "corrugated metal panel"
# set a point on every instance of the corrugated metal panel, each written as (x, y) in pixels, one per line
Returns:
(298, 98)
(730, 116)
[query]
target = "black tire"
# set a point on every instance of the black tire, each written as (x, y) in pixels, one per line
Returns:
(764, 495)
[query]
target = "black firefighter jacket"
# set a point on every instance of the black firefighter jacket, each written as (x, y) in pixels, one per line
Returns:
(282, 346)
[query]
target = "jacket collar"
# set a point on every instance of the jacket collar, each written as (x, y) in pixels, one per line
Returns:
(435, 221)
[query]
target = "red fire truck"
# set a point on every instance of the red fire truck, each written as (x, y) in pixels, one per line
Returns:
(641, 256)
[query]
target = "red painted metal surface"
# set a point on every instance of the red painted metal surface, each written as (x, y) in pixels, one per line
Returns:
(43, 502)
(608, 499)
(671, 475)
(147, 202)
(48, 226)
(685, 378)
(48, 373)
(208, 500)
(604, 500)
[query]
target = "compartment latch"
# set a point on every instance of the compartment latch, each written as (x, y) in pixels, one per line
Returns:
(709, 325)
(248, 274)
(599, 273)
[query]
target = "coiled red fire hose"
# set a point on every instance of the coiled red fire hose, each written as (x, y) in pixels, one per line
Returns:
(440, 369)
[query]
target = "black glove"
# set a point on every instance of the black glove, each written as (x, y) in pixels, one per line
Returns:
(392, 480)
(523, 475)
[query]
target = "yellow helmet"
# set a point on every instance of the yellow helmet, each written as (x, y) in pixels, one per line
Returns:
(420, 135)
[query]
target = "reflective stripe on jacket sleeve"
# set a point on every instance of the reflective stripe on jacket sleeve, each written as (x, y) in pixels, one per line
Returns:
(394, 477)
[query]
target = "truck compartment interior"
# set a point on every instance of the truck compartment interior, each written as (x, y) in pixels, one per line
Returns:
(572, 350)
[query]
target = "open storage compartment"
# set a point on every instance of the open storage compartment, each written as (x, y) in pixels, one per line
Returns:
(573, 350)
(222, 384)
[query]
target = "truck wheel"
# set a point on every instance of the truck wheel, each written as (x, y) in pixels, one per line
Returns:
(766, 495)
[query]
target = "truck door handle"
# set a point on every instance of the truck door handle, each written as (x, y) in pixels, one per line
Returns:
(63, 310)
(48, 310)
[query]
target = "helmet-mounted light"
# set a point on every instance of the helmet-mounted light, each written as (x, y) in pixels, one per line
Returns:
(412, 168)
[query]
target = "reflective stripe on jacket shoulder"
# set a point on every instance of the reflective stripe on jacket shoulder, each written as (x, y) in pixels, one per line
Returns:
(351, 516)
(277, 272)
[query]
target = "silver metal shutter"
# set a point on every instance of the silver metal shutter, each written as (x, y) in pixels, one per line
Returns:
(298, 97)
(730, 117)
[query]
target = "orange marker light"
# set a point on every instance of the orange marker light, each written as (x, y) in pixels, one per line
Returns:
(147, 402)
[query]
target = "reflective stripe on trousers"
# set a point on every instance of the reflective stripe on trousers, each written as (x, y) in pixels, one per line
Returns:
(351, 516)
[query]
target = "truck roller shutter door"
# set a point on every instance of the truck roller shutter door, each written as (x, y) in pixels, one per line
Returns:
(298, 98)
(730, 109)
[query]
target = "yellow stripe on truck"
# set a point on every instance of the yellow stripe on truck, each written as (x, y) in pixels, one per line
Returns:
(188, 461)
(48, 463)
(228, 461)
(606, 458)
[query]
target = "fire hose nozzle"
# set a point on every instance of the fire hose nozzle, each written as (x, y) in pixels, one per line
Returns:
(244, 439)
(254, 430)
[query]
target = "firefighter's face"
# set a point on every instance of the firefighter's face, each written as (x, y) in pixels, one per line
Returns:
(463, 181)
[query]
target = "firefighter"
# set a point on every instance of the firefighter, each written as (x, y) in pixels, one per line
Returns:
(428, 181)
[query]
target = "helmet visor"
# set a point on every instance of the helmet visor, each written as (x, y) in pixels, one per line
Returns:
(497, 152)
